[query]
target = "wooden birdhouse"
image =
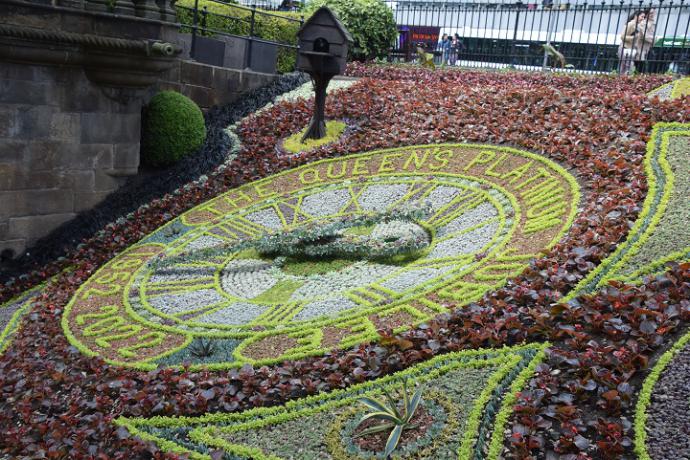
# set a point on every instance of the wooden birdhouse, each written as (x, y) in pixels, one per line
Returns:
(323, 44)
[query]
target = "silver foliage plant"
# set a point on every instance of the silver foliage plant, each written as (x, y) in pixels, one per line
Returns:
(321, 240)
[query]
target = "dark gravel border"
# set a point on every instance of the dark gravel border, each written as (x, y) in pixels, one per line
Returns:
(149, 184)
(668, 423)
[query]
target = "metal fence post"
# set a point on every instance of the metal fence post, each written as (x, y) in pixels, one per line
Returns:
(301, 23)
(548, 40)
(195, 21)
(518, 6)
(204, 15)
(513, 58)
(250, 40)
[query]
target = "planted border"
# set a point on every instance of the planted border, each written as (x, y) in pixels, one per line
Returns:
(672, 90)
(645, 396)
(483, 427)
(661, 184)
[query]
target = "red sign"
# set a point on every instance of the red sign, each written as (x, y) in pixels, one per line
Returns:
(422, 34)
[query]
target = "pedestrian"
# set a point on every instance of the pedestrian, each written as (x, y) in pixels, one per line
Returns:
(646, 28)
(627, 50)
(453, 51)
(637, 39)
(440, 47)
(459, 47)
(445, 49)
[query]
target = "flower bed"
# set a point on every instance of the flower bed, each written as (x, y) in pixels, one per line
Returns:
(581, 397)
(460, 387)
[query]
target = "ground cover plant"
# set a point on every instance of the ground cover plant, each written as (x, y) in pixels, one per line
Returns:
(435, 235)
(611, 158)
(672, 90)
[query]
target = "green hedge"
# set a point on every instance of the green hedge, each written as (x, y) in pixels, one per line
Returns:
(267, 27)
(370, 22)
(173, 127)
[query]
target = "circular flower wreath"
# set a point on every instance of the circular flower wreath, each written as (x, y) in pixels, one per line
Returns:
(57, 402)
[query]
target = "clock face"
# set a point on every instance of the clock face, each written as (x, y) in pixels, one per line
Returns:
(322, 256)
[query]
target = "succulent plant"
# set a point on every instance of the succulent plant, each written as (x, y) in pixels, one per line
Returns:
(202, 348)
(395, 420)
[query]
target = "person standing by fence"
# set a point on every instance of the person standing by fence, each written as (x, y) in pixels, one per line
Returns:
(626, 50)
(447, 47)
(637, 39)
(458, 47)
(453, 51)
(645, 39)
(441, 48)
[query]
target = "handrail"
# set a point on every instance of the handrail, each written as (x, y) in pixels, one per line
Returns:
(257, 10)
(228, 34)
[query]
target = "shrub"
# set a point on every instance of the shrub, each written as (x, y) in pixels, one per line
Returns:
(370, 22)
(173, 127)
(237, 22)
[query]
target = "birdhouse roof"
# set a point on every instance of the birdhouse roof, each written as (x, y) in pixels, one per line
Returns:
(331, 17)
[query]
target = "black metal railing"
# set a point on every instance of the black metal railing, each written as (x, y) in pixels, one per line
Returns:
(161, 10)
(587, 34)
(275, 5)
(239, 21)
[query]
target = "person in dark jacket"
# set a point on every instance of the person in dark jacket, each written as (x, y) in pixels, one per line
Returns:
(458, 48)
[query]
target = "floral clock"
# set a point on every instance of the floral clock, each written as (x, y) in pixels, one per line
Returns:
(324, 255)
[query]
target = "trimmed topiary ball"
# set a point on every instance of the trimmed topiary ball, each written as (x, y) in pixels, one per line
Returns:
(173, 127)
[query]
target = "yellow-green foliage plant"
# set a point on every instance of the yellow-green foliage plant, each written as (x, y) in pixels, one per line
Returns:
(645, 397)
(672, 90)
(425, 59)
(661, 182)
(130, 311)
(681, 88)
(294, 144)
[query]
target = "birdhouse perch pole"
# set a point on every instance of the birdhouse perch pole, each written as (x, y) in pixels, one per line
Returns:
(317, 125)
(323, 48)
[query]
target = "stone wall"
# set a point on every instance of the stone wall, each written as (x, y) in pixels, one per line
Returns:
(72, 84)
(209, 85)
(70, 106)
(65, 143)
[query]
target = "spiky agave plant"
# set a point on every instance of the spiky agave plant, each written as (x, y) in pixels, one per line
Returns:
(202, 348)
(394, 419)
